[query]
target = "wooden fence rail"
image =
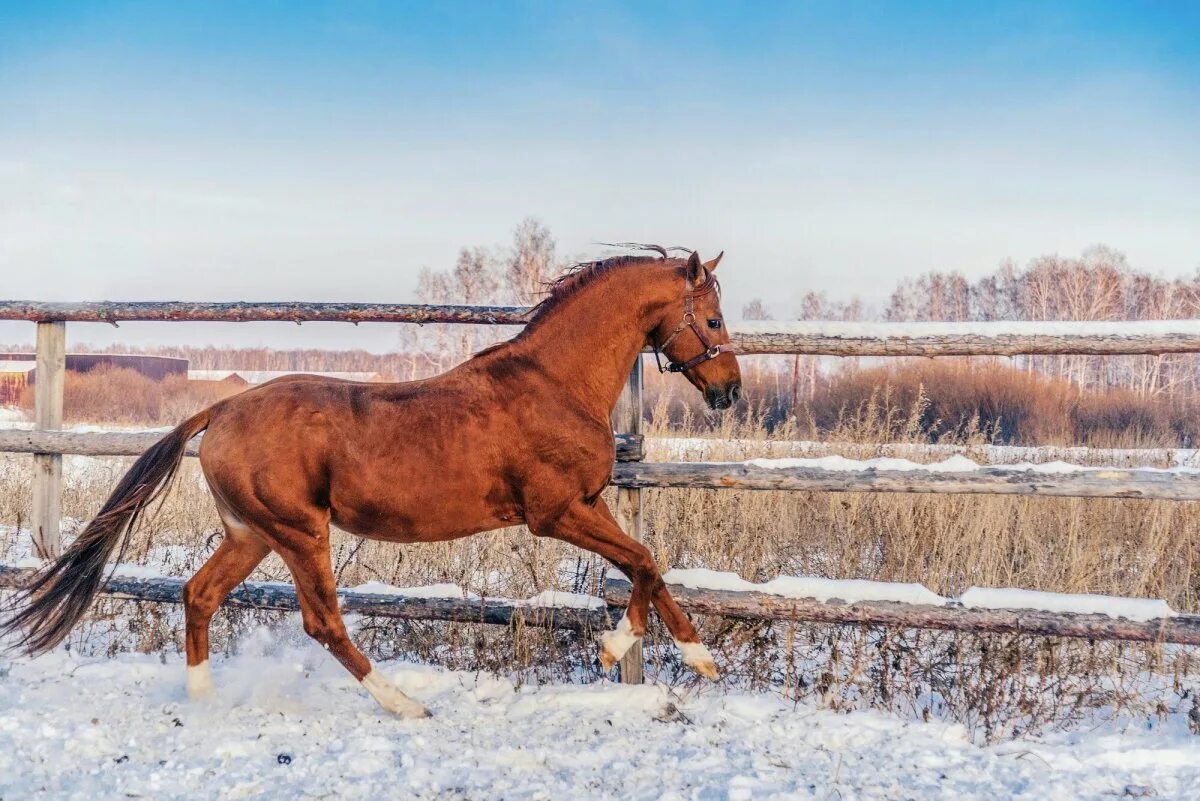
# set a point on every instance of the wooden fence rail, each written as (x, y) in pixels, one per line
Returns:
(1141, 484)
(629, 447)
(282, 597)
(821, 338)
(630, 474)
(1182, 630)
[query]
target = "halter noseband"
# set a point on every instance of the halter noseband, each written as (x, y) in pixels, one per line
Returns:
(711, 351)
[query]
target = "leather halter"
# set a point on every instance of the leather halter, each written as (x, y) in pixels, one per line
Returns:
(710, 351)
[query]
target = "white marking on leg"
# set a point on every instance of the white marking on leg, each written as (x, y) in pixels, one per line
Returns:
(616, 643)
(231, 520)
(390, 697)
(697, 656)
(199, 681)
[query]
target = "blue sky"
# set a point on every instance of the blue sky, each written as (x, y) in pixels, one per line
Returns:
(329, 150)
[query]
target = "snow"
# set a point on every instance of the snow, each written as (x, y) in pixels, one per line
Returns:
(955, 464)
(289, 723)
(822, 589)
(428, 591)
(543, 600)
(855, 590)
(1015, 328)
(556, 599)
(699, 448)
(1139, 609)
(11, 417)
(122, 569)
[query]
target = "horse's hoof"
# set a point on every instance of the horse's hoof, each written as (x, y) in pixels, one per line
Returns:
(199, 682)
(616, 643)
(607, 660)
(696, 656)
(389, 696)
(707, 669)
(420, 713)
(408, 711)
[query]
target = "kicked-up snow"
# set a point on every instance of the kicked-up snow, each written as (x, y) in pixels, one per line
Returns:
(293, 725)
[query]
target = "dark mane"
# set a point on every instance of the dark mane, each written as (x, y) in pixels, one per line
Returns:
(584, 273)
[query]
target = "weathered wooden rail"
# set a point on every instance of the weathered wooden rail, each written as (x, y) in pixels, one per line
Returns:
(1115, 483)
(282, 597)
(133, 443)
(1181, 630)
(821, 338)
(631, 474)
(47, 443)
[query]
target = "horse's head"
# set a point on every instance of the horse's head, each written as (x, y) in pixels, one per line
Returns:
(693, 336)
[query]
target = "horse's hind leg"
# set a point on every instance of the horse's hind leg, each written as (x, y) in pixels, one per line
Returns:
(307, 557)
(236, 557)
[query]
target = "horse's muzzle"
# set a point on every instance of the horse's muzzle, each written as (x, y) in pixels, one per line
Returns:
(723, 397)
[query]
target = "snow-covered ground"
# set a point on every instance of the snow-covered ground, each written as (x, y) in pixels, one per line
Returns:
(289, 724)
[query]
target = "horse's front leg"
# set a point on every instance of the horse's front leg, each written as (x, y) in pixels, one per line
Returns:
(592, 527)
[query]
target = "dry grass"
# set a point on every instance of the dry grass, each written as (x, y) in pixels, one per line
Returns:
(948, 542)
(125, 397)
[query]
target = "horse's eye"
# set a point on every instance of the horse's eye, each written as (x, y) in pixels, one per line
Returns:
(714, 323)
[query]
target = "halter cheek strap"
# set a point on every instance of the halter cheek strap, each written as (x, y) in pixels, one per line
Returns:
(710, 352)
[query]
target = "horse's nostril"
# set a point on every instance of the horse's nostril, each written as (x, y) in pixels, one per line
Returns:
(735, 392)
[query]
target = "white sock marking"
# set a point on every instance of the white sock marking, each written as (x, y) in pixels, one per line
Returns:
(390, 697)
(199, 681)
(618, 641)
(694, 653)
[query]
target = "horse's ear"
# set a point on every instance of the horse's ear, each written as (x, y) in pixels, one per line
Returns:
(711, 266)
(695, 270)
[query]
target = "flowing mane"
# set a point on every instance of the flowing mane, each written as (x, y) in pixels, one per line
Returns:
(585, 273)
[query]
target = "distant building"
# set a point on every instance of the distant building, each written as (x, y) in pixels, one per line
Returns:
(14, 377)
(253, 377)
(156, 368)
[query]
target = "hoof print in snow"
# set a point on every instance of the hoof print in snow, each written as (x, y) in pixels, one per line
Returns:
(284, 759)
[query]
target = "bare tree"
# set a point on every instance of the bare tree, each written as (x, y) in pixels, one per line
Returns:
(755, 310)
(531, 263)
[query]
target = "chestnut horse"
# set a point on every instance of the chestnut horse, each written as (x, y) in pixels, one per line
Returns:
(520, 432)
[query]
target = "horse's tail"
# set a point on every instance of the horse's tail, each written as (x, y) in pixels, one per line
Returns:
(61, 593)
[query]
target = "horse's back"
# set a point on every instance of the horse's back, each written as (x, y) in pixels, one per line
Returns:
(412, 460)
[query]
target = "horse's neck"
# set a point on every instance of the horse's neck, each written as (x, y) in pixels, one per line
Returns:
(590, 342)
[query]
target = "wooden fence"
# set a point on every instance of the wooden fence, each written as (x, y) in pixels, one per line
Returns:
(631, 474)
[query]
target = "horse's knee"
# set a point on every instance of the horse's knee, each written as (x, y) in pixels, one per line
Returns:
(326, 632)
(643, 569)
(316, 629)
(197, 601)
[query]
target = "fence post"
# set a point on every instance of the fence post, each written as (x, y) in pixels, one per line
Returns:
(627, 419)
(48, 416)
